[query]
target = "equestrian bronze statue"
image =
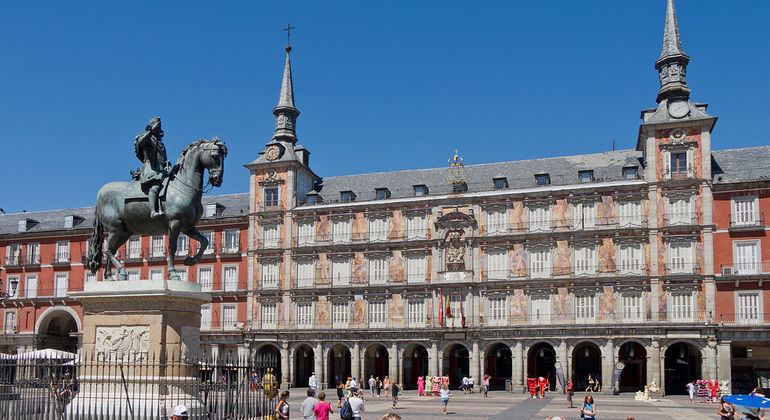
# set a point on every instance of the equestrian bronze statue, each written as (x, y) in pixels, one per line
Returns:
(125, 208)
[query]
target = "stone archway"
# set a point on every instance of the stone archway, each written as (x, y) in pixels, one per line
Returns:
(338, 364)
(634, 375)
(586, 361)
(541, 361)
(415, 364)
(376, 362)
(456, 364)
(269, 356)
(304, 362)
(55, 329)
(498, 365)
(682, 365)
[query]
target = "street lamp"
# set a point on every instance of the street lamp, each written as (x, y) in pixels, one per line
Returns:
(14, 285)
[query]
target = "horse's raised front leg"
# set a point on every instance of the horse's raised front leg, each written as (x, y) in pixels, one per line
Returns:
(203, 244)
(173, 236)
(114, 241)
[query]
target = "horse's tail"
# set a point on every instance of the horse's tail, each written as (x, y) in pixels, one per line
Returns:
(95, 247)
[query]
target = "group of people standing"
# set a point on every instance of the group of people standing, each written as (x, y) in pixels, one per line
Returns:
(538, 386)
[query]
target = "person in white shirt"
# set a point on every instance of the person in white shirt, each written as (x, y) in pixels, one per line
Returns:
(353, 385)
(465, 385)
(308, 404)
(471, 384)
(444, 393)
(357, 405)
(313, 383)
(371, 385)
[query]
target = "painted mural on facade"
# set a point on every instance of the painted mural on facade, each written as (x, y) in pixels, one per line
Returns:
(321, 315)
(358, 270)
(396, 267)
(518, 219)
(322, 270)
(282, 284)
(608, 304)
(561, 214)
(518, 263)
(661, 256)
(429, 309)
(701, 302)
(519, 306)
(561, 259)
(607, 255)
(605, 211)
(322, 231)
(357, 313)
(662, 303)
(396, 225)
(562, 304)
(396, 310)
(359, 227)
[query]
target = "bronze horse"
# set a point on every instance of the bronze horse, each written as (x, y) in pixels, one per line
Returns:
(122, 209)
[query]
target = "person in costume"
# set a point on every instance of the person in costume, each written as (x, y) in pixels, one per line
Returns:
(541, 385)
(532, 386)
(421, 386)
(269, 384)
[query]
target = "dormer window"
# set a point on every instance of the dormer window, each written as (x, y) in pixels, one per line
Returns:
(420, 190)
(630, 172)
(459, 188)
(586, 176)
(382, 193)
(210, 210)
(26, 224)
(347, 196)
(542, 179)
(313, 199)
(500, 183)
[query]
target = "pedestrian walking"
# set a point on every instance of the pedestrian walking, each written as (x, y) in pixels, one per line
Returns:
(313, 382)
(386, 386)
(308, 405)
(323, 408)
(444, 397)
(395, 390)
(378, 385)
(339, 385)
(588, 412)
(570, 392)
(372, 383)
(486, 384)
(464, 386)
(282, 409)
(691, 390)
(726, 410)
(471, 384)
(357, 405)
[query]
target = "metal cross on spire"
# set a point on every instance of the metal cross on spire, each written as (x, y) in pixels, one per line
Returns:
(288, 29)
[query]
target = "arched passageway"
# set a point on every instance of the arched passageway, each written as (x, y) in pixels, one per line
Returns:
(683, 363)
(541, 361)
(415, 364)
(269, 356)
(304, 360)
(587, 361)
(337, 365)
(634, 376)
(56, 331)
(456, 364)
(376, 362)
(498, 365)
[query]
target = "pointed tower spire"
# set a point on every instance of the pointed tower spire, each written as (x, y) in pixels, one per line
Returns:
(672, 64)
(285, 112)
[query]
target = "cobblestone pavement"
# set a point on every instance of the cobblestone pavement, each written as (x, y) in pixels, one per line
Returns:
(503, 405)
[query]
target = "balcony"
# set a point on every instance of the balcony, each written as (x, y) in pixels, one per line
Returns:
(379, 237)
(31, 260)
(747, 222)
(745, 269)
(569, 224)
(132, 255)
(586, 271)
(231, 250)
(680, 219)
(155, 254)
(682, 269)
(60, 259)
(748, 317)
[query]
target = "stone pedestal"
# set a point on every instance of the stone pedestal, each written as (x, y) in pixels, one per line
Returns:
(147, 326)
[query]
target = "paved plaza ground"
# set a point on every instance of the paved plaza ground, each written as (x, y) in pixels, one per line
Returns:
(502, 405)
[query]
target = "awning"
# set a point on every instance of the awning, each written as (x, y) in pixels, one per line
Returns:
(45, 354)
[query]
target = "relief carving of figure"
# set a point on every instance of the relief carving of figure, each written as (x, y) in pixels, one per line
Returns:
(455, 251)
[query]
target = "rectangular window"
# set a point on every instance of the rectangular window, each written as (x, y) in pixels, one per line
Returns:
(378, 314)
(630, 173)
(540, 263)
(497, 222)
(680, 306)
(206, 278)
(30, 286)
(342, 230)
(745, 211)
(229, 317)
(585, 263)
(134, 247)
(633, 311)
(500, 183)
(305, 315)
(630, 259)
(680, 211)
(585, 309)
(13, 254)
(747, 257)
(271, 236)
(231, 241)
(420, 190)
(416, 312)
(542, 179)
(182, 272)
(206, 317)
(305, 233)
(269, 315)
(158, 246)
(680, 258)
(417, 227)
(378, 229)
(269, 275)
(33, 253)
(539, 219)
(339, 314)
(679, 163)
(382, 193)
(210, 236)
(629, 213)
(10, 321)
(182, 245)
(378, 270)
(497, 264)
(341, 272)
(230, 275)
(62, 252)
(271, 197)
(416, 269)
(156, 274)
(305, 273)
(60, 284)
(347, 196)
(586, 176)
(541, 311)
(496, 315)
(583, 215)
(749, 307)
(459, 187)
(12, 286)
(90, 277)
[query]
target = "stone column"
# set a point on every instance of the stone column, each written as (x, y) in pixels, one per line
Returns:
(517, 362)
(475, 362)
(292, 374)
(563, 357)
(355, 362)
(654, 362)
(724, 359)
(318, 365)
(285, 365)
(433, 364)
(608, 363)
(393, 359)
(709, 365)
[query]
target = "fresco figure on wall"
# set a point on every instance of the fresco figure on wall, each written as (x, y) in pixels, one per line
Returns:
(396, 310)
(518, 306)
(396, 267)
(396, 226)
(606, 210)
(357, 311)
(518, 216)
(359, 227)
(562, 304)
(359, 268)
(608, 304)
(322, 229)
(321, 316)
(518, 266)
(560, 212)
(607, 255)
(322, 270)
(561, 259)
(662, 303)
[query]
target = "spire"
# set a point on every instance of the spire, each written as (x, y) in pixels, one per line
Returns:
(285, 112)
(286, 98)
(672, 64)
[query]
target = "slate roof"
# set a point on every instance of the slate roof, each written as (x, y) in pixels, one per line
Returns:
(53, 220)
(741, 165)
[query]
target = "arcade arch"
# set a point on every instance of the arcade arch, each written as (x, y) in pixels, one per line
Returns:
(682, 363)
(338, 364)
(304, 360)
(55, 329)
(456, 364)
(587, 361)
(415, 364)
(541, 361)
(498, 365)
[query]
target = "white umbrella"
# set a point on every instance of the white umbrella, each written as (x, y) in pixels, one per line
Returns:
(45, 354)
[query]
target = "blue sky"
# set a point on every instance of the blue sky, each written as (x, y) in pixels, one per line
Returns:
(380, 85)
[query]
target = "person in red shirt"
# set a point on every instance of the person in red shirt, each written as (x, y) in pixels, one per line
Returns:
(570, 392)
(532, 386)
(541, 383)
(323, 408)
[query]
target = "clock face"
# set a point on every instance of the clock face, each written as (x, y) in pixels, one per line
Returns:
(272, 152)
(678, 109)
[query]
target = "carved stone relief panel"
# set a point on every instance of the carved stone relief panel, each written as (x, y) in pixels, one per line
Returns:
(123, 341)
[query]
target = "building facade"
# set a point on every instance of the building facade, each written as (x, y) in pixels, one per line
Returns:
(557, 267)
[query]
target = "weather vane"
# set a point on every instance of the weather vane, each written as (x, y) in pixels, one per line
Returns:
(288, 29)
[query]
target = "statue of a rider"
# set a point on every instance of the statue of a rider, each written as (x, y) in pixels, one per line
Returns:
(155, 167)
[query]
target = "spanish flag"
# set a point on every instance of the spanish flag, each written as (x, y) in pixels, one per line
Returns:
(440, 312)
(448, 309)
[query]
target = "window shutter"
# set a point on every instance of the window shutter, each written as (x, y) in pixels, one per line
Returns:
(690, 163)
(666, 164)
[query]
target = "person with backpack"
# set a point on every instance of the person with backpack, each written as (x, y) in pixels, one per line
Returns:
(357, 405)
(346, 412)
